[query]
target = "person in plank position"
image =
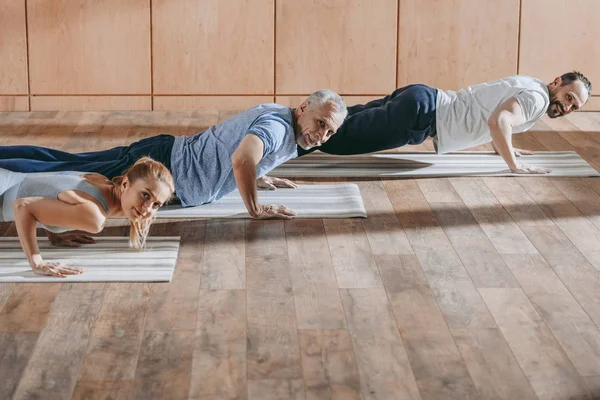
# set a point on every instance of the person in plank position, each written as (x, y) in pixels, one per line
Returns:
(458, 120)
(238, 152)
(62, 201)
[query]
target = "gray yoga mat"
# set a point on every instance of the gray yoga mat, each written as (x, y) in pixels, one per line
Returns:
(409, 165)
(308, 201)
(108, 260)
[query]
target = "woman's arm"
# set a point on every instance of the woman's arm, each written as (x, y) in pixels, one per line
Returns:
(28, 211)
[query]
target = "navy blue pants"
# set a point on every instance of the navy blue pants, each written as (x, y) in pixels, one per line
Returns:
(109, 163)
(407, 116)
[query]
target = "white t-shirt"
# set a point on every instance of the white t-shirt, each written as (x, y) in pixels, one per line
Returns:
(462, 117)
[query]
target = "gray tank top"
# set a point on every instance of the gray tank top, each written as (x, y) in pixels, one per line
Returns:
(14, 185)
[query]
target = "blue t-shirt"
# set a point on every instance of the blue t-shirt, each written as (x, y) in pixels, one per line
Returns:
(201, 164)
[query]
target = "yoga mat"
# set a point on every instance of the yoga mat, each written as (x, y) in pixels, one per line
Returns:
(108, 260)
(308, 201)
(416, 165)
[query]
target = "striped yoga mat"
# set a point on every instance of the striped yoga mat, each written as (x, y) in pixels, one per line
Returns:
(108, 260)
(562, 163)
(308, 201)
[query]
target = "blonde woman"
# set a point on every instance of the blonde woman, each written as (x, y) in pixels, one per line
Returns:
(62, 201)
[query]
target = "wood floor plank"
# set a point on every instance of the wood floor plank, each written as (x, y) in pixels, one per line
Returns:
(439, 369)
(527, 141)
(219, 358)
(479, 256)
(515, 200)
(542, 359)
(455, 292)
(5, 291)
(224, 255)
(27, 307)
(384, 232)
(492, 365)
(54, 364)
(569, 264)
(481, 259)
(549, 138)
(582, 196)
(316, 296)
(351, 254)
(173, 305)
(564, 316)
(276, 389)
(102, 390)
(330, 370)
(502, 231)
(573, 269)
(117, 335)
(584, 235)
(272, 337)
(15, 351)
(382, 361)
(438, 190)
(164, 366)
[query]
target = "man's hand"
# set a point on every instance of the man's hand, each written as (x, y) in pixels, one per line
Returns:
(272, 211)
(53, 268)
(70, 239)
(530, 169)
(267, 182)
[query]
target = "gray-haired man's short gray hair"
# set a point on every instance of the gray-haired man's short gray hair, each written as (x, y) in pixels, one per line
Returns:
(324, 96)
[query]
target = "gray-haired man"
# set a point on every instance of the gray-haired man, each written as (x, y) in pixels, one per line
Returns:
(210, 164)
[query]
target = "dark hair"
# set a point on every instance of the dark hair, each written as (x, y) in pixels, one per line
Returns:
(570, 77)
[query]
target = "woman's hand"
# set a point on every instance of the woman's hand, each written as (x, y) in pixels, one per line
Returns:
(55, 268)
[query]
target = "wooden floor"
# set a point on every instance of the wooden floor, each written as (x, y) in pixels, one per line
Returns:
(462, 288)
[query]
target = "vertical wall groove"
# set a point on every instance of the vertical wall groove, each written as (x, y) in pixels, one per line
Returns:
(151, 63)
(27, 59)
(397, 43)
(274, 50)
(519, 37)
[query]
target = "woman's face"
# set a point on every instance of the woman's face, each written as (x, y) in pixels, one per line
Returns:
(141, 199)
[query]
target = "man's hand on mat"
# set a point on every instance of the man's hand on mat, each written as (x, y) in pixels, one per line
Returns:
(53, 268)
(267, 182)
(272, 211)
(530, 169)
(71, 239)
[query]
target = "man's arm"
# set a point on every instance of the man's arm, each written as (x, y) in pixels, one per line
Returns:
(501, 123)
(244, 160)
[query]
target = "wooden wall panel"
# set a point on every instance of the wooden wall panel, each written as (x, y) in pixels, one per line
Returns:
(295, 101)
(345, 45)
(558, 36)
(13, 47)
(209, 102)
(213, 46)
(452, 44)
(89, 47)
(14, 103)
(91, 103)
(593, 104)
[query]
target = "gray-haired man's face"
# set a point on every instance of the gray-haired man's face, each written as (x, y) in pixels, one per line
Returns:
(314, 125)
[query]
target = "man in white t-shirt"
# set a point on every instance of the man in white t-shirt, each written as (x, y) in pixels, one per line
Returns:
(458, 120)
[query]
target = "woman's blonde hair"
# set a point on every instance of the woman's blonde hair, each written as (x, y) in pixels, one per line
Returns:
(147, 169)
